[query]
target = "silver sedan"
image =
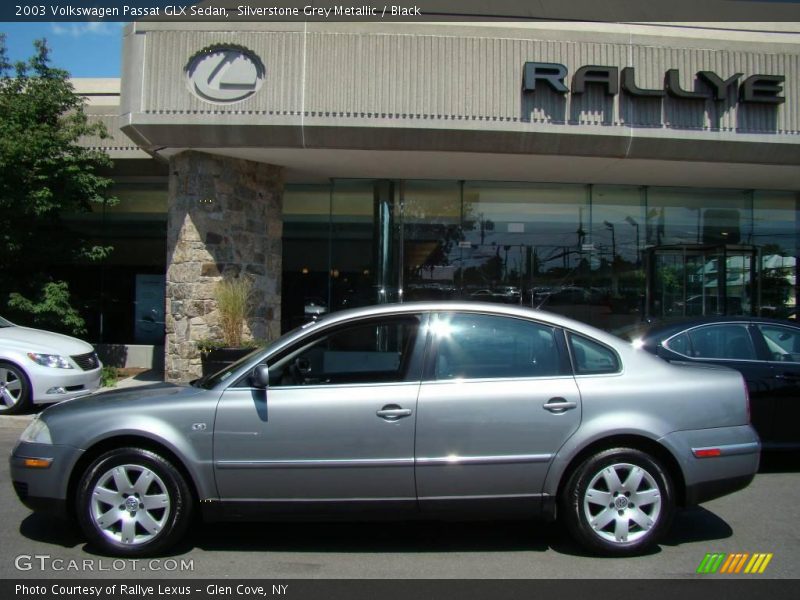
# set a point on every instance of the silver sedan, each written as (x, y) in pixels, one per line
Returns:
(426, 410)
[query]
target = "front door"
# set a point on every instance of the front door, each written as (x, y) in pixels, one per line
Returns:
(335, 428)
(497, 404)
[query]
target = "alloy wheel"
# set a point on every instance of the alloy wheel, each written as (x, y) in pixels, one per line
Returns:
(130, 504)
(622, 503)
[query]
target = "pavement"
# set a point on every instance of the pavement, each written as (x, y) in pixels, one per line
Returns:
(144, 378)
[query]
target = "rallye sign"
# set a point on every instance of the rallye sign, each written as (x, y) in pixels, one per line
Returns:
(765, 89)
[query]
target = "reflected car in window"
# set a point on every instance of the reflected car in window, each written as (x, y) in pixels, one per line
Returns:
(765, 351)
(416, 410)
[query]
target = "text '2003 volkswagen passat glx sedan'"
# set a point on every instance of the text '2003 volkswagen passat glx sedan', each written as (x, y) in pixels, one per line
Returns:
(406, 411)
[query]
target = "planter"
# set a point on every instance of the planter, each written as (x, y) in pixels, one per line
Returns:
(217, 359)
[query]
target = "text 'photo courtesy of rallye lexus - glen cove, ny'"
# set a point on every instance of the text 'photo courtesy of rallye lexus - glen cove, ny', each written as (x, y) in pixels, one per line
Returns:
(402, 411)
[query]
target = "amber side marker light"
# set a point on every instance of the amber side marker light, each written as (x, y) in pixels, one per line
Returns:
(37, 463)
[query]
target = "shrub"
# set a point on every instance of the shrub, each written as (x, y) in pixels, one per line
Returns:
(234, 296)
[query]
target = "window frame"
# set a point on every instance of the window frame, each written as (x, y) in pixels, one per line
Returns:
(574, 363)
(413, 371)
(758, 345)
(762, 339)
(429, 373)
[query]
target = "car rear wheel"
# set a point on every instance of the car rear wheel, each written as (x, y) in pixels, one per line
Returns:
(618, 502)
(15, 392)
(133, 502)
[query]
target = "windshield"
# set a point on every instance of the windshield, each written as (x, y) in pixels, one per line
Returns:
(210, 381)
(4, 323)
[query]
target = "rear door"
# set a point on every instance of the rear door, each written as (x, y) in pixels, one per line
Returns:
(783, 346)
(497, 401)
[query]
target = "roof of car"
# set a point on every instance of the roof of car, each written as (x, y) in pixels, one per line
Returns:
(662, 329)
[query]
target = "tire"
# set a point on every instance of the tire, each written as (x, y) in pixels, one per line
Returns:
(619, 502)
(124, 515)
(15, 390)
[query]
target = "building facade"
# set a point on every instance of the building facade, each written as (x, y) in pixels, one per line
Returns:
(608, 172)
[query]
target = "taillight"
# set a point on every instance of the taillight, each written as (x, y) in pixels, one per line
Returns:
(746, 399)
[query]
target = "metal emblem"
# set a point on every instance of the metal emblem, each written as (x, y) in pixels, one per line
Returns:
(225, 75)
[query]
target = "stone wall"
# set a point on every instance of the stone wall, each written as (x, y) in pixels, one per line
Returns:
(224, 219)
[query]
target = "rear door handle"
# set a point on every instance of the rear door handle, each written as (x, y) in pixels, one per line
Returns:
(559, 405)
(393, 412)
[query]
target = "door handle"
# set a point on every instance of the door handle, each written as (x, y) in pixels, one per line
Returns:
(393, 412)
(559, 405)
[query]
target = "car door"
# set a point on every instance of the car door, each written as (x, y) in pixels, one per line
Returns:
(335, 427)
(783, 346)
(497, 402)
(731, 345)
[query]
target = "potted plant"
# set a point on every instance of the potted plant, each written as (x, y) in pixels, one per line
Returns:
(233, 296)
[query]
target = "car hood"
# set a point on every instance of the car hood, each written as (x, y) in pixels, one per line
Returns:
(26, 339)
(158, 392)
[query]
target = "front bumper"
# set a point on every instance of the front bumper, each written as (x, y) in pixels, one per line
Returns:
(55, 385)
(712, 475)
(43, 489)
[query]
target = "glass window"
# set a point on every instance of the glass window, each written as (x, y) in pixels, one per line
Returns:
(776, 222)
(698, 216)
(783, 343)
(679, 344)
(366, 352)
(473, 346)
(722, 341)
(592, 358)
(522, 244)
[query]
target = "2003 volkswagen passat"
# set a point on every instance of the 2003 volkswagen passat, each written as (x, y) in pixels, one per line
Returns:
(409, 410)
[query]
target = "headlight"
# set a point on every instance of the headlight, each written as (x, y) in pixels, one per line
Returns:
(50, 360)
(37, 432)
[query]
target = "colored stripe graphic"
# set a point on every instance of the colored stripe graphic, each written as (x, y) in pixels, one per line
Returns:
(711, 563)
(758, 563)
(723, 563)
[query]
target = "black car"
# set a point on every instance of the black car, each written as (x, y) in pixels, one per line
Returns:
(765, 351)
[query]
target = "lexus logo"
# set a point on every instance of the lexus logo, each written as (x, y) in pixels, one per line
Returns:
(224, 75)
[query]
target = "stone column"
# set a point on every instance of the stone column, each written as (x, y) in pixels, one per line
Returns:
(224, 218)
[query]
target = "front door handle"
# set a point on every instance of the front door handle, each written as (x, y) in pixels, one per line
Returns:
(559, 405)
(393, 412)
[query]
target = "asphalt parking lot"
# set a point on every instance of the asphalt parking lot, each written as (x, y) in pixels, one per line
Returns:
(764, 518)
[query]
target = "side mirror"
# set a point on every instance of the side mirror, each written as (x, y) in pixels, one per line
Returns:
(259, 378)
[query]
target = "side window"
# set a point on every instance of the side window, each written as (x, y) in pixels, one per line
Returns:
(783, 343)
(377, 351)
(679, 344)
(592, 358)
(727, 341)
(474, 346)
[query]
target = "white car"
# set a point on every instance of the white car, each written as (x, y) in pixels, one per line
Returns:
(38, 367)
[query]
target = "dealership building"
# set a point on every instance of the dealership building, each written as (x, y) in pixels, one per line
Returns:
(608, 172)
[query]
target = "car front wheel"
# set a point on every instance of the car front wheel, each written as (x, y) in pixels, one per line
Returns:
(618, 502)
(133, 502)
(15, 392)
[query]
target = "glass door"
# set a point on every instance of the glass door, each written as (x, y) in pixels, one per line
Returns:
(693, 280)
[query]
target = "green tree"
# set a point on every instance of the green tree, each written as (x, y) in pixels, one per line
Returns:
(44, 174)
